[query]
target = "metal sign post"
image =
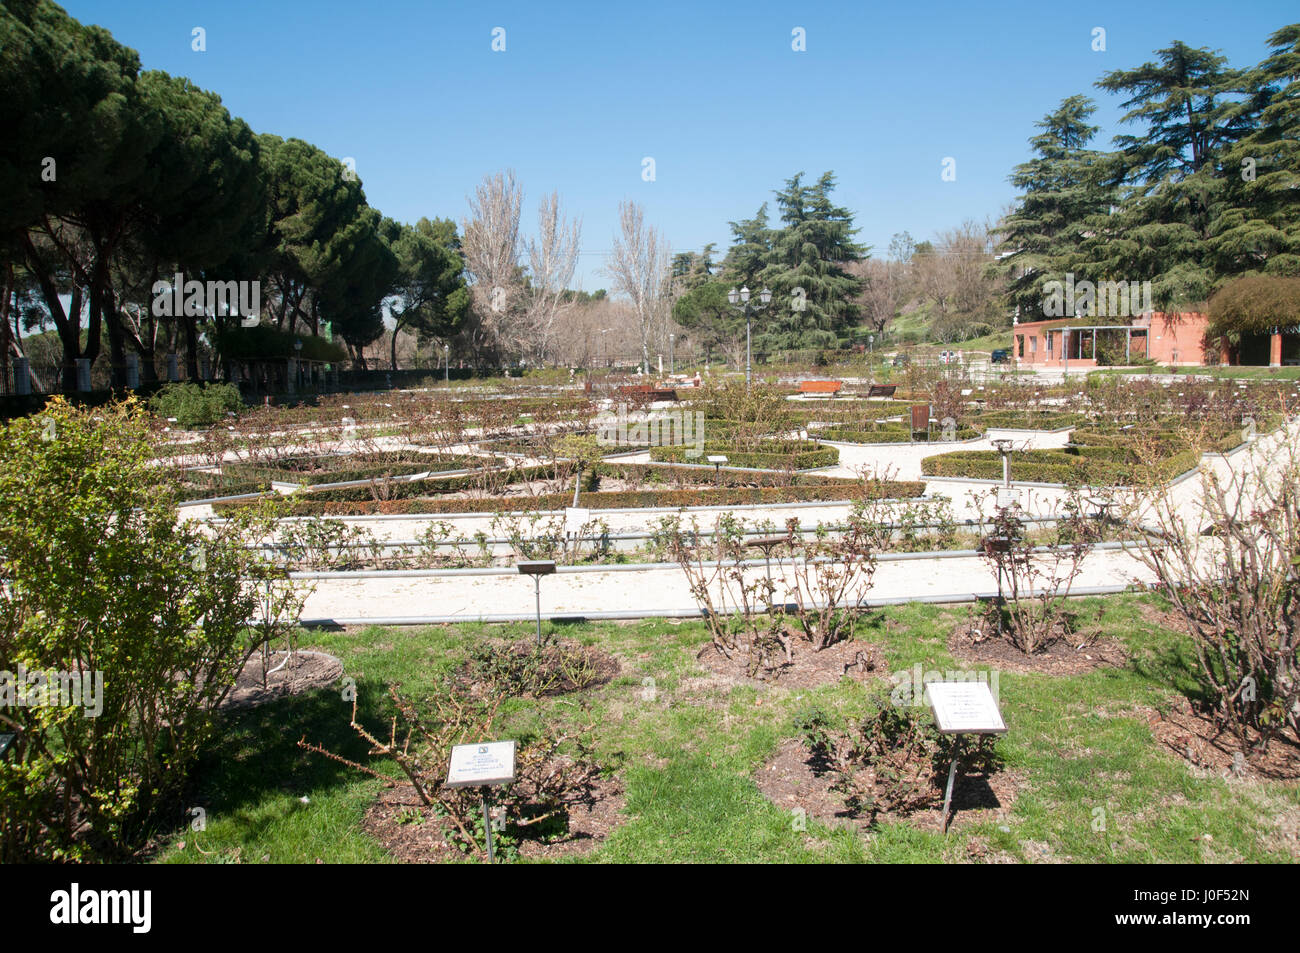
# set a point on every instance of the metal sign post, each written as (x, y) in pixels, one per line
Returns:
(537, 569)
(482, 766)
(962, 708)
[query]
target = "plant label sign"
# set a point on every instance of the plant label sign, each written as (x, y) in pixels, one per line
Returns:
(575, 518)
(965, 708)
(492, 762)
(1008, 496)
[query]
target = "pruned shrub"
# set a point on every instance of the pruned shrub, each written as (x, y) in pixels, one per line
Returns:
(892, 760)
(554, 768)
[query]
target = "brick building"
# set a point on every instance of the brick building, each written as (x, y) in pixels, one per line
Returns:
(1088, 342)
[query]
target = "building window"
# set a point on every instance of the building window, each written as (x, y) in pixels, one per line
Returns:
(1048, 348)
(1020, 345)
(1033, 345)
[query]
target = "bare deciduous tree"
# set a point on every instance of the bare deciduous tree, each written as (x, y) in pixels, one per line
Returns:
(552, 257)
(885, 291)
(491, 245)
(953, 277)
(639, 266)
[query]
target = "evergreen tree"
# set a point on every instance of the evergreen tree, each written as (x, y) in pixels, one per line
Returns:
(1188, 105)
(1064, 190)
(813, 293)
(1257, 226)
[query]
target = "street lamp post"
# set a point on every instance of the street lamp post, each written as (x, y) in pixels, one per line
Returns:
(672, 364)
(446, 362)
(739, 301)
(871, 346)
(603, 332)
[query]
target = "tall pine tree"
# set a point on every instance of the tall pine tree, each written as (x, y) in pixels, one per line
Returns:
(1064, 189)
(813, 293)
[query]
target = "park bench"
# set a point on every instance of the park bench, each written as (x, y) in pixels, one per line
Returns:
(881, 390)
(820, 387)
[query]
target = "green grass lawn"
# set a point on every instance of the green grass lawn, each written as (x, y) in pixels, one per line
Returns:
(687, 757)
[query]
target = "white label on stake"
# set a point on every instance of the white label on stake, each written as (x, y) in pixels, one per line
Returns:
(575, 518)
(965, 707)
(492, 762)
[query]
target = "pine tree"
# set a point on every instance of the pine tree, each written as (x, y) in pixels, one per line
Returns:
(1064, 189)
(1257, 227)
(813, 293)
(1188, 104)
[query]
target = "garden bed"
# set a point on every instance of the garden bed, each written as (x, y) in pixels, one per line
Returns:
(795, 779)
(771, 455)
(316, 504)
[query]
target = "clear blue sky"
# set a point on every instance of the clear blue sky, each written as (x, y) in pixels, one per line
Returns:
(713, 92)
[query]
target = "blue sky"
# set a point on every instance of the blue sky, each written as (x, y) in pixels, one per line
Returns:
(712, 92)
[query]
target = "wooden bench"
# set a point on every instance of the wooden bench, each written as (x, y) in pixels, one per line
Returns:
(881, 390)
(820, 387)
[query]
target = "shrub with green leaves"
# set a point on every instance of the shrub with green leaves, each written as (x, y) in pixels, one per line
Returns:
(195, 405)
(103, 582)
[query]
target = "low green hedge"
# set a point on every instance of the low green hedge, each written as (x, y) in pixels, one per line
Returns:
(670, 474)
(315, 505)
(783, 454)
(1065, 466)
(368, 467)
(891, 435)
(1027, 419)
(202, 486)
(444, 487)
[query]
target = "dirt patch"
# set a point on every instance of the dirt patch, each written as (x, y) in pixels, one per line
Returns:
(411, 833)
(1195, 737)
(860, 661)
(1071, 656)
(1165, 618)
(520, 668)
(795, 778)
(304, 671)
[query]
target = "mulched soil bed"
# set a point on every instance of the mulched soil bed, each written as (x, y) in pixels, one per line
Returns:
(1074, 655)
(305, 672)
(602, 668)
(388, 821)
(860, 661)
(1194, 737)
(794, 778)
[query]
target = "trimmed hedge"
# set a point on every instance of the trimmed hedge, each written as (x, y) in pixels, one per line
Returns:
(443, 487)
(670, 474)
(890, 435)
(315, 505)
(263, 342)
(1027, 419)
(786, 454)
(202, 486)
(1076, 465)
(379, 466)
